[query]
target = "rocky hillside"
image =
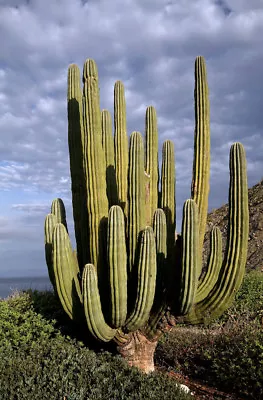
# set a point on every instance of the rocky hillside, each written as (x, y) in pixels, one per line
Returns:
(255, 245)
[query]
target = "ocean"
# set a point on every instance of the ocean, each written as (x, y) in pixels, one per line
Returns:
(8, 285)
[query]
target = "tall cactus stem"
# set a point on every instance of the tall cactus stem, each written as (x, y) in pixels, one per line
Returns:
(136, 199)
(108, 147)
(50, 223)
(76, 144)
(97, 202)
(66, 272)
(201, 163)
(190, 258)
(120, 143)
(92, 306)
(214, 264)
(146, 282)
(58, 209)
(168, 192)
(117, 261)
(233, 267)
(151, 161)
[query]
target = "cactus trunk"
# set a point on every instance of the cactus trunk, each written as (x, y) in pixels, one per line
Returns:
(138, 351)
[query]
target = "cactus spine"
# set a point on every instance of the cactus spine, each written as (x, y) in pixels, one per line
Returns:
(125, 240)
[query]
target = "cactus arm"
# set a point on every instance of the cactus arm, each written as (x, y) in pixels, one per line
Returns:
(97, 202)
(190, 258)
(146, 282)
(76, 145)
(49, 227)
(151, 161)
(233, 267)
(168, 192)
(108, 147)
(136, 195)
(58, 209)
(66, 279)
(117, 261)
(160, 303)
(213, 267)
(120, 144)
(92, 306)
(201, 163)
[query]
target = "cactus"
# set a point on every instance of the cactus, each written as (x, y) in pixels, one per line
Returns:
(133, 274)
(151, 162)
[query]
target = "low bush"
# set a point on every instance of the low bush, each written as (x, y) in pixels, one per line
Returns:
(38, 361)
(227, 354)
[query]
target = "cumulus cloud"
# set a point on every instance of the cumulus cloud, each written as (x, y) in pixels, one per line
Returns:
(151, 47)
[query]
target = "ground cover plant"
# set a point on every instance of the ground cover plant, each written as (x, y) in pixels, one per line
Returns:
(38, 361)
(131, 275)
(227, 354)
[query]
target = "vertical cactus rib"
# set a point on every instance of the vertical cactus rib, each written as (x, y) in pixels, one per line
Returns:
(201, 163)
(97, 203)
(146, 282)
(233, 267)
(168, 191)
(58, 209)
(120, 143)
(76, 144)
(190, 257)
(160, 302)
(136, 199)
(50, 223)
(151, 160)
(214, 264)
(117, 261)
(65, 271)
(108, 147)
(92, 306)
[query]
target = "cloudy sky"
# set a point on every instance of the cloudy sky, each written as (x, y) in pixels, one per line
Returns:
(151, 47)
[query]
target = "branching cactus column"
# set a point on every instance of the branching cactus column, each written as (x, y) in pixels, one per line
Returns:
(133, 276)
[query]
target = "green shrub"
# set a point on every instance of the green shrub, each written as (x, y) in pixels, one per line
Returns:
(37, 361)
(227, 354)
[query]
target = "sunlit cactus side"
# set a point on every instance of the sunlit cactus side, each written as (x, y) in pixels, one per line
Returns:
(121, 143)
(208, 280)
(66, 272)
(117, 262)
(190, 262)
(50, 223)
(168, 192)
(133, 275)
(232, 268)
(136, 196)
(151, 162)
(201, 164)
(95, 167)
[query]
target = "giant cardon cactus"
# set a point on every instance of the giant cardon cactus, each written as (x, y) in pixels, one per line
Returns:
(131, 275)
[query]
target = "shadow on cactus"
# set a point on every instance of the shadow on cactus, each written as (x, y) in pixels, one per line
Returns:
(132, 277)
